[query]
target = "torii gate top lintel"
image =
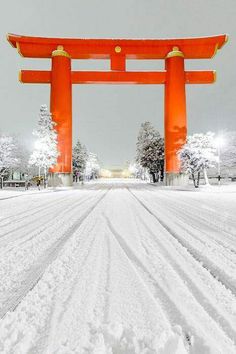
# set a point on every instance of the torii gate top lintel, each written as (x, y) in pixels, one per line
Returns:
(78, 48)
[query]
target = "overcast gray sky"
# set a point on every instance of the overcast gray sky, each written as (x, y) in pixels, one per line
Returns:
(107, 118)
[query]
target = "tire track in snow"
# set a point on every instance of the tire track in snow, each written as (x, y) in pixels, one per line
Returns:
(177, 315)
(32, 222)
(102, 306)
(52, 217)
(17, 196)
(38, 270)
(69, 297)
(26, 254)
(183, 220)
(207, 216)
(216, 272)
(222, 242)
(186, 213)
(202, 294)
(27, 213)
(108, 281)
(124, 257)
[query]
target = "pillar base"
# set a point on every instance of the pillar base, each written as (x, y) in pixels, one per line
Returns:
(176, 179)
(60, 179)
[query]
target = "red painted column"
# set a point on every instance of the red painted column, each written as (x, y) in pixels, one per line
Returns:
(61, 109)
(175, 113)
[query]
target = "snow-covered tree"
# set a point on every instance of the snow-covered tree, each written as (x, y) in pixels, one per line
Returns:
(22, 155)
(226, 146)
(45, 152)
(197, 155)
(92, 167)
(134, 169)
(79, 158)
(7, 155)
(137, 171)
(150, 150)
(146, 134)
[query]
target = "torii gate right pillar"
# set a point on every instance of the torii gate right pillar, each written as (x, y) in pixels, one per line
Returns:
(175, 116)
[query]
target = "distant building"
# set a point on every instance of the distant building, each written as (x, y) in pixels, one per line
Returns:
(115, 172)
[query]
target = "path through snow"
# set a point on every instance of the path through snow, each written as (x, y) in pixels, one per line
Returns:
(118, 267)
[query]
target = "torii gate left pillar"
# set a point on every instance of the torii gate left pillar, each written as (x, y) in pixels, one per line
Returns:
(117, 51)
(61, 109)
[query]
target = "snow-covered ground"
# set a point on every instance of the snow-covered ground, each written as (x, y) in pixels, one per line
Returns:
(118, 266)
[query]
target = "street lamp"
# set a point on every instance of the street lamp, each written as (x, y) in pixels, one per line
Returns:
(219, 142)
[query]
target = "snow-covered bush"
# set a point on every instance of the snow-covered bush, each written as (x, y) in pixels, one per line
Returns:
(7, 155)
(45, 152)
(22, 168)
(92, 167)
(227, 149)
(137, 171)
(197, 155)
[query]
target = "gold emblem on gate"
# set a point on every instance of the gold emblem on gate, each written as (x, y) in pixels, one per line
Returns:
(117, 49)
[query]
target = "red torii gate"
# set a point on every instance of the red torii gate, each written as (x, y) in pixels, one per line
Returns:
(174, 77)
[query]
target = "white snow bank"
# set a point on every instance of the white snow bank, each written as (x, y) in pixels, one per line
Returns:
(116, 339)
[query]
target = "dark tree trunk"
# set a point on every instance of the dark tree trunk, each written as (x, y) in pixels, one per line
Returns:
(198, 179)
(194, 181)
(153, 177)
(162, 172)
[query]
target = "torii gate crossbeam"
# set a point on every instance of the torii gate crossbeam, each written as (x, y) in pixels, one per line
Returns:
(174, 77)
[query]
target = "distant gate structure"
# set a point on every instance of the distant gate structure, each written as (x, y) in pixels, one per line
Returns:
(174, 77)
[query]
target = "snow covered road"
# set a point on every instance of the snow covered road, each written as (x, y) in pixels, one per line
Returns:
(118, 267)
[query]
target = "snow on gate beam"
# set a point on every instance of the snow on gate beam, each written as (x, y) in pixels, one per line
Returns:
(109, 77)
